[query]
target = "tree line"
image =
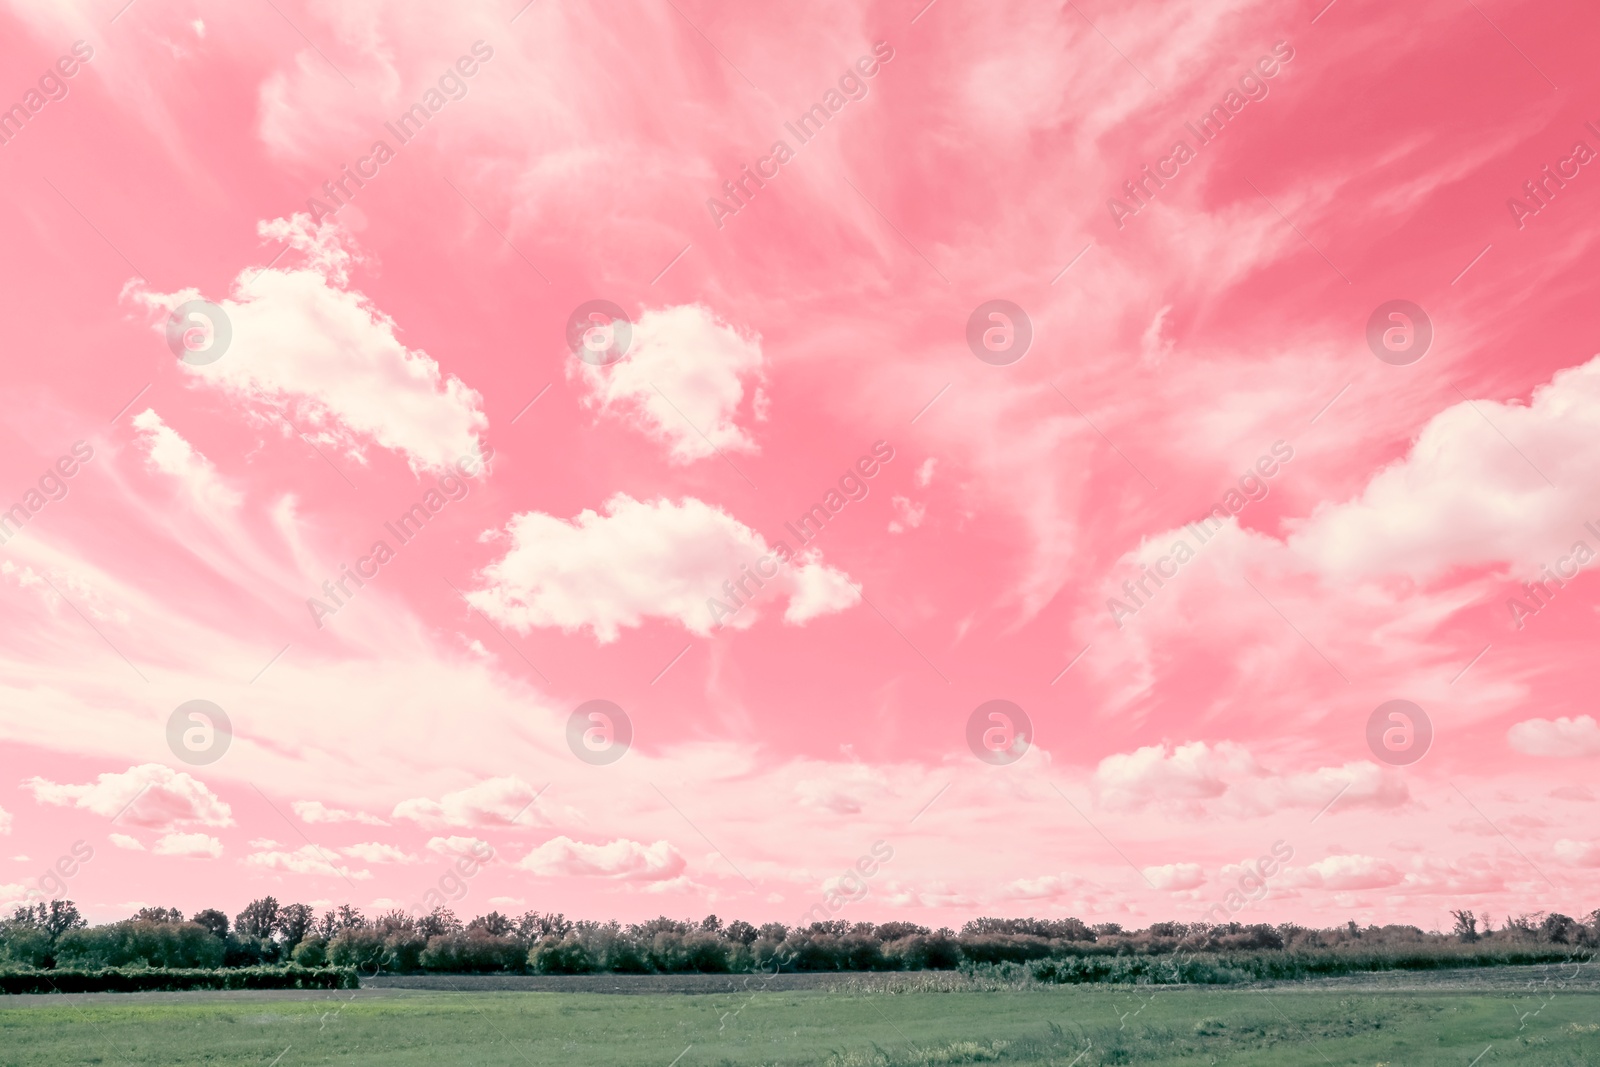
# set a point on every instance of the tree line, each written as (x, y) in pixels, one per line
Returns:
(267, 934)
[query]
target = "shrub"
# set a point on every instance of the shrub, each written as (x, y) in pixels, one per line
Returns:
(312, 952)
(115, 980)
(564, 956)
(924, 952)
(138, 941)
(25, 945)
(360, 947)
(470, 952)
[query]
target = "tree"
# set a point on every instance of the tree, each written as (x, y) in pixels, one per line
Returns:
(494, 924)
(339, 919)
(213, 920)
(159, 915)
(441, 920)
(1466, 925)
(258, 919)
(295, 923)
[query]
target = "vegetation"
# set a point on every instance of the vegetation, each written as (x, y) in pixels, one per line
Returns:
(1063, 951)
(1081, 1026)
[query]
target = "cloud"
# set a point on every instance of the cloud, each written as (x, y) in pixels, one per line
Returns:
(5, 821)
(1196, 778)
(682, 382)
(470, 847)
(1461, 498)
(127, 842)
(622, 859)
(1175, 876)
(642, 560)
(195, 846)
(374, 852)
(307, 859)
(1045, 887)
(313, 811)
(170, 454)
(1561, 738)
(908, 514)
(323, 359)
(1578, 853)
(149, 795)
(492, 802)
(1345, 872)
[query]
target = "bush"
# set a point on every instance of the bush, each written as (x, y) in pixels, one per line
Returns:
(360, 947)
(564, 956)
(138, 941)
(1003, 948)
(924, 952)
(476, 951)
(24, 945)
(312, 952)
(137, 980)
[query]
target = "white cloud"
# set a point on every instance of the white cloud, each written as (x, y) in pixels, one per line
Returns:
(1562, 737)
(170, 454)
(125, 841)
(307, 859)
(1174, 876)
(263, 842)
(621, 859)
(1578, 853)
(310, 349)
(1345, 872)
(492, 802)
(924, 474)
(1196, 778)
(1461, 497)
(149, 795)
(682, 382)
(375, 852)
(470, 847)
(195, 846)
(5, 821)
(908, 514)
(313, 811)
(641, 560)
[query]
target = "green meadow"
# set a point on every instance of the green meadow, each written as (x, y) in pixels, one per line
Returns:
(1071, 1026)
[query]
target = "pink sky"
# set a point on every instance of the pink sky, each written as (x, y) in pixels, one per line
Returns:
(972, 152)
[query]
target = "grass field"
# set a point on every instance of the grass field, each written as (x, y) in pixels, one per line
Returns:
(1403, 1020)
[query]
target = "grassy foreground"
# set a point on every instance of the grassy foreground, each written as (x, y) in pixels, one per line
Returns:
(1081, 1026)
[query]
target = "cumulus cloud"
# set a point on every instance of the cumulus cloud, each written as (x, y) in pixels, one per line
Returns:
(5, 821)
(195, 846)
(312, 811)
(621, 859)
(470, 847)
(1460, 497)
(166, 451)
(307, 859)
(642, 560)
(683, 382)
(1196, 778)
(1578, 853)
(1176, 875)
(492, 802)
(307, 348)
(1349, 872)
(908, 514)
(375, 852)
(150, 795)
(1562, 737)
(125, 841)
